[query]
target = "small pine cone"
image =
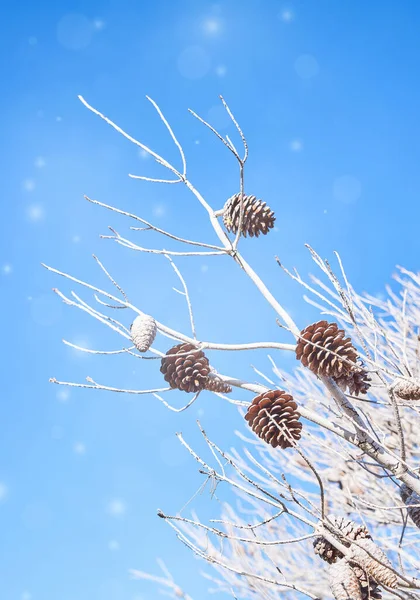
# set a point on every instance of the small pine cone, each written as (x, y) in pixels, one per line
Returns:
(270, 414)
(357, 381)
(407, 390)
(257, 216)
(370, 589)
(349, 530)
(379, 571)
(215, 384)
(343, 582)
(188, 372)
(143, 332)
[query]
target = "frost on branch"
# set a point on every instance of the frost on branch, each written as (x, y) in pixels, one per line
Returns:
(349, 418)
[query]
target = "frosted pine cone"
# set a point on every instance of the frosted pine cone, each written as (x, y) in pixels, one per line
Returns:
(407, 390)
(349, 530)
(143, 332)
(186, 368)
(343, 582)
(324, 349)
(370, 589)
(412, 500)
(374, 562)
(270, 414)
(215, 384)
(257, 216)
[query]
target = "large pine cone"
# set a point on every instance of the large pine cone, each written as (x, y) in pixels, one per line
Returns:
(343, 582)
(257, 216)
(143, 332)
(407, 390)
(186, 368)
(270, 414)
(366, 555)
(412, 500)
(215, 384)
(324, 349)
(349, 530)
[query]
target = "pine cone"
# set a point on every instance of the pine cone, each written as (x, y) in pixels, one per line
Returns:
(215, 384)
(343, 581)
(407, 390)
(187, 372)
(270, 414)
(412, 500)
(315, 348)
(143, 332)
(349, 530)
(370, 589)
(379, 571)
(357, 381)
(257, 216)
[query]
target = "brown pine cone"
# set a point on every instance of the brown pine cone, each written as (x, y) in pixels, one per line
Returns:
(349, 530)
(257, 216)
(343, 581)
(366, 555)
(270, 414)
(186, 368)
(143, 332)
(215, 384)
(357, 381)
(370, 589)
(324, 349)
(407, 390)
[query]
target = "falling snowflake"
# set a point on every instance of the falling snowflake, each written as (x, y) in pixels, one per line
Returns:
(221, 70)
(63, 395)
(98, 24)
(296, 145)
(287, 16)
(212, 26)
(79, 448)
(159, 211)
(28, 185)
(116, 508)
(143, 154)
(40, 162)
(35, 213)
(7, 269)
(113, 545)
(3, 491)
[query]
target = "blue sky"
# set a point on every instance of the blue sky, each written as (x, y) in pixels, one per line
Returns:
(327, 94)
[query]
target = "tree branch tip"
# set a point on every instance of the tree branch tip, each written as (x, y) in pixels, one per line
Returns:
(52, 380)
(161, 514)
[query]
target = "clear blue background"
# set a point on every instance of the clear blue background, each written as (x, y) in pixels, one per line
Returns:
(328, 94)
